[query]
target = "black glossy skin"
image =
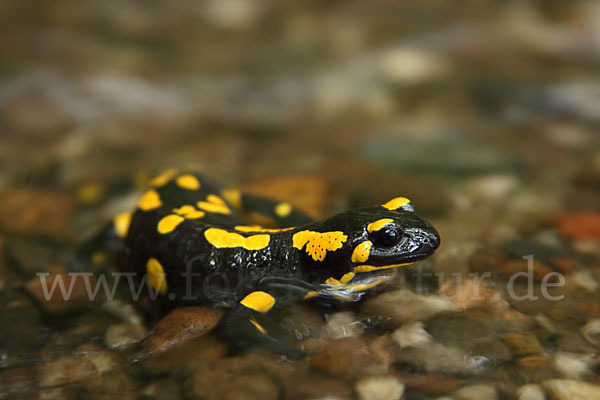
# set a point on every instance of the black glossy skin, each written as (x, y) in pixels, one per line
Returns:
(196, 271)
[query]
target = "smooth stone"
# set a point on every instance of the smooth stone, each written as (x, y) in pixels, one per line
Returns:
(567, 389)
(476, 392)
(411, 335)
(531, 392)
(379, 388)
(403, 306)
(591, 331)
(182, 325)
(573, 365)
(343, 324)
(121, 336)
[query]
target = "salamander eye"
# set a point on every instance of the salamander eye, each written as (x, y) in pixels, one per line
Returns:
(388, 236)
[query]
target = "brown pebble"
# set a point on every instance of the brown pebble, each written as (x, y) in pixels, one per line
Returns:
(434, 384)
(181, 325)
(349, 358)
(32, 211)
(578, 225)
(562, 264)
(507, 268)
(57, 302)
(535, 361)
(523, 343)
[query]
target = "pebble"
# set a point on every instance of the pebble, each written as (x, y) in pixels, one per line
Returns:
(473, 293)
(75, 368)
(585, 280)
(404, 65)
(343, 324)
(531, 392)
(476, 392)
(76, 293)
(350, 358)
(492, 187)
(403, 306)
(591, 331)
(379, 388)
(434, 384)
(523, 344)
(411, 335)
(182, 325)
(121, 336)
(567, 389)
(33, 211)
(573, 365)
(578, 225)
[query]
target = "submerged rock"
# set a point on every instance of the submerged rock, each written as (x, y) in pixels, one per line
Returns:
(567, 389)
(379, 388)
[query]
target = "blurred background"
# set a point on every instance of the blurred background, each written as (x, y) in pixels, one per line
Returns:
(485, 114)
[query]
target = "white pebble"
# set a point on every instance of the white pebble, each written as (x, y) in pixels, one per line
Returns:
(379, 388)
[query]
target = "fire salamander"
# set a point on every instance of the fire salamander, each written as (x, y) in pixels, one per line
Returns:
(188, 239)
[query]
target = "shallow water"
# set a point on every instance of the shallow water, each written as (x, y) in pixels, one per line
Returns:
(485, 116)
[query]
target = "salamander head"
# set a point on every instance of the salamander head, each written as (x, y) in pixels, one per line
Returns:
(353, 247)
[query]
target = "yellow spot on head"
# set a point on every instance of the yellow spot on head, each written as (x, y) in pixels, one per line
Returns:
(163, 178)
(169, 223)
(377, 225)
(317, 243)
(156, 276)
(149, 201)
(258, 301)
(396, 203)
(121, 223)
(370, 268)
(188, 181)
(361, 252)
(234, 197)
(258, 228)
(258, 326)
(221, 238)
(282, 210)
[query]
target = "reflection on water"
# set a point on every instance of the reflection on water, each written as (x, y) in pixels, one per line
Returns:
(485, 116)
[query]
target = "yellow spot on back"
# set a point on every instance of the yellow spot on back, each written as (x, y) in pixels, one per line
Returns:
(370, 268)
(188, 181)
(258, 326)
(258, 228)
(361, 252)
(156, 276)
(209, 206)
(396, 203)
(234, 197)
(184, 210)
(258, 301)
(282, 210)
(149, 201)
(189, 212)
(347, 277)
(163, 178)
(169, 223)
(377, 225)
(90, 193)
(98, 257)
(221, 238)
(121, 223)
(317, 243)
(213, 198)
